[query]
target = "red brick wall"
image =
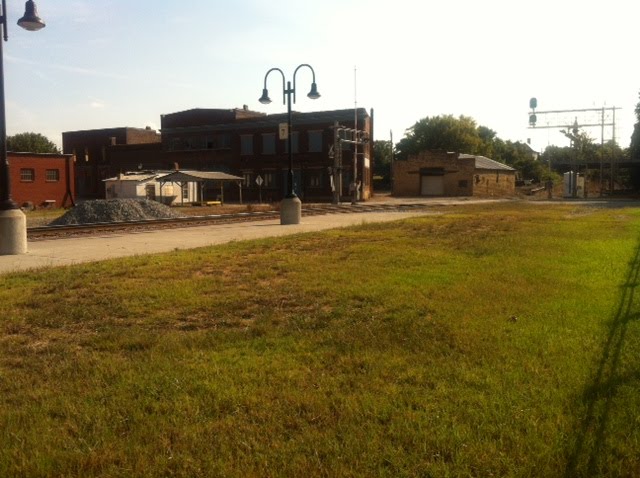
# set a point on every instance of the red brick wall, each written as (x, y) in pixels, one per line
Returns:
(40, 189)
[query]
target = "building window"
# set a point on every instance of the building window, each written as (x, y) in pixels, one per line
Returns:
(175, 144)
(246, 144)
(269, 180)
(294, 143)
(52, 175)
(315, 179)
(246, 182)
(27, 175)
(185, 191)
(315, 141)
(223, 141)
(463, 183)
(269, 143)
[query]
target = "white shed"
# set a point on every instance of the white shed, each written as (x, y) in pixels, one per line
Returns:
(144, 185)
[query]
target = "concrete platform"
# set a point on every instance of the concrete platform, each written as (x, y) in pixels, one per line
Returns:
(61, 252)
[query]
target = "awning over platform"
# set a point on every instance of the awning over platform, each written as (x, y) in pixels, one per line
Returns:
(184, 177)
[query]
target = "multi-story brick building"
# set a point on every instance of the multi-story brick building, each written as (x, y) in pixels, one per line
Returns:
(41, 180)
(243, 143)
(90, 150)
(247, 144)
(451, 174)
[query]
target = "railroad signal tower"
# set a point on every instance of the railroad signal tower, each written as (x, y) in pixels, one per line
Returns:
(570, 121)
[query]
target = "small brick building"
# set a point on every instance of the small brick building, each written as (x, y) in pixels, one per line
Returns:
(452, 174)
(42, 180)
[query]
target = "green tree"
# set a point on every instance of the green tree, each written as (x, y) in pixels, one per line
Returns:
(31, 143)
(518, 155)
(442, 133)
(382, 162)
(634, 148)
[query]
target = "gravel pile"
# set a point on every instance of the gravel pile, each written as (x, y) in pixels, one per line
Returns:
(115, 210)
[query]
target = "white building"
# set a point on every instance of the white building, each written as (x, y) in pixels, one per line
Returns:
(144, 185)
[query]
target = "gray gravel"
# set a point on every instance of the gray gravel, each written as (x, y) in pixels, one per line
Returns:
(115, 210)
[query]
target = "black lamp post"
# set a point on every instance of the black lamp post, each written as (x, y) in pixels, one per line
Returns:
(290, 210)
(12, 226)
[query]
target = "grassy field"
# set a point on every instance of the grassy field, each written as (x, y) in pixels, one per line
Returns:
(498, 340)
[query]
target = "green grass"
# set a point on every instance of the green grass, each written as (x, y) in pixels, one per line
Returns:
(487, 341)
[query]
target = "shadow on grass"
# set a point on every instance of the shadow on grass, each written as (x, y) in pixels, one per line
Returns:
(600, 394)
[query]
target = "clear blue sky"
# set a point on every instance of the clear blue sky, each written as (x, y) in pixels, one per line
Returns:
(109, 63)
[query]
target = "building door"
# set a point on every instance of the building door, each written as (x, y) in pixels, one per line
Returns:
(432, 185)
(150, 191)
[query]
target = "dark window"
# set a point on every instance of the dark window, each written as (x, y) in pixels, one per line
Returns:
(269, 143)
(315, 141)
(246, 144)
(463, 183)
(269, 180)
(247, 180)
(52, 175)
(315, 179)
(27, 175)
(223, 141)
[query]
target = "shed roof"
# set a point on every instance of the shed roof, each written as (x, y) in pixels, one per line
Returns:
(486, 163)
(197, 176)
(136, 176)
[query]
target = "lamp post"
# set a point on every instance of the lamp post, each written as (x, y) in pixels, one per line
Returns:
(291, 207)
(13, 223)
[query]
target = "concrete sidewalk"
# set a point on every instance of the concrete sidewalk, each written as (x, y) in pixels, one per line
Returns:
(76, 250)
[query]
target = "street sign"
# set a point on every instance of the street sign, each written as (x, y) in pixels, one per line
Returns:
(283, 130)
(259, 180)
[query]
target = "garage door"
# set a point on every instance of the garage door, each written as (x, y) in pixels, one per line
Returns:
(432, 186)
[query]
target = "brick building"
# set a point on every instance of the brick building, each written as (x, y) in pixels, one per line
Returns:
(246, 143)
(90, 150)
(452, 174)
(42, 180)
(237, 141)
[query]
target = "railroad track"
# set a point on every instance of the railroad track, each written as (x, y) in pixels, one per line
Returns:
(60, 232)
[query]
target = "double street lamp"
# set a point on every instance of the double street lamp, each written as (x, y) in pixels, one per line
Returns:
(291, 207)
(13, 223)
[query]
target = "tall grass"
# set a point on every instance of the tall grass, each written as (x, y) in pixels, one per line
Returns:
(488, 341)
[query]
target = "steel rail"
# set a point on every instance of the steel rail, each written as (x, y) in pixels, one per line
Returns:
(62, 231)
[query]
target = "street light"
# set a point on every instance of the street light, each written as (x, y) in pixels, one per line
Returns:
(13, 223)
(291, 207)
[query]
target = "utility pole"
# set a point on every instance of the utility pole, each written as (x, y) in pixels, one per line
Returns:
(341, 136)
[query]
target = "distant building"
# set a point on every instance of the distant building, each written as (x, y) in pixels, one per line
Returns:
(41, 180)
(170, 187)
(452, 174)
(142, 185)
(90, 150)
(237, 141)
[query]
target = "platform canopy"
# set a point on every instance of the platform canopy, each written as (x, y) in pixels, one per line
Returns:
(201, 177)
(197, 176)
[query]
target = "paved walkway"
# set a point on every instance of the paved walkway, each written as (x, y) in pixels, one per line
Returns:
(60, 252)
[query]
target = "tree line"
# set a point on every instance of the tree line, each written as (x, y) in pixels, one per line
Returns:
(462, 134)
